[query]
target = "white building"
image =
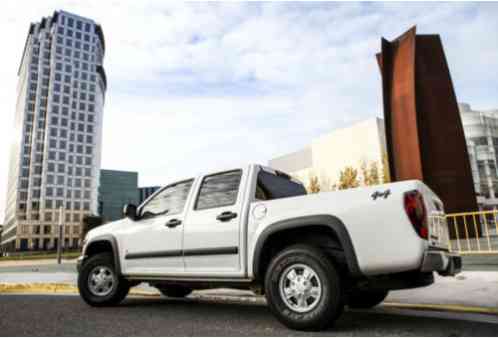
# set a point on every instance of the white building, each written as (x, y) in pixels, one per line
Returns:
(481, 133)
(326, 156)
(56, 150)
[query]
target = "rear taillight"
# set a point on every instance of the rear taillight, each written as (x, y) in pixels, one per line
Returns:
(415, 209)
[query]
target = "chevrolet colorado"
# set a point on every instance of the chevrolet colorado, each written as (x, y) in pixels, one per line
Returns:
(256, 228)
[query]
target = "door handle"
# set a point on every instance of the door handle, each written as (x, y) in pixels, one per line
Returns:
(173, 223)
(226, 216)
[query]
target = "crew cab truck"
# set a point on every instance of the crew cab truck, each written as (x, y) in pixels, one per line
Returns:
(256, 228)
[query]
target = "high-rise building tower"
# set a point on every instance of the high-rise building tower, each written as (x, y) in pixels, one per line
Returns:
(56, 150)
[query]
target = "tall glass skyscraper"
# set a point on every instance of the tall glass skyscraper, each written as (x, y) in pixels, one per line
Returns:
(56, 150)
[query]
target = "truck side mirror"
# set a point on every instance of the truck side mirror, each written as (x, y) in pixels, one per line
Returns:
(130, 211)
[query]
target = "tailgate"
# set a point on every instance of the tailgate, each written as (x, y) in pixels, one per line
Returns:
(438, 228)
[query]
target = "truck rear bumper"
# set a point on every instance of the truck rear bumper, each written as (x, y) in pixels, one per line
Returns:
(445, 263)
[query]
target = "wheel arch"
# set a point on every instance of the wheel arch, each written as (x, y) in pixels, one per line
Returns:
(331, 223)
(104, 243)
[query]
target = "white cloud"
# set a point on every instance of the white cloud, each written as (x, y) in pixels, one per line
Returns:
(194, 86)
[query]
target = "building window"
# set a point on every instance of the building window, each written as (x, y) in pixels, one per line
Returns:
(485, 190)
(480, 141)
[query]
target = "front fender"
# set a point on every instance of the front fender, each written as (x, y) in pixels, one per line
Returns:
(110, 239)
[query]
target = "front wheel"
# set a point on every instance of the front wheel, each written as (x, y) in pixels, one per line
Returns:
(98, 283)
(366, 299)
(303, 288)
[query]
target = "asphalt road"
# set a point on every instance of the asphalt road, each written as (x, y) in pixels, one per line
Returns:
(42, 268)
(49, 315)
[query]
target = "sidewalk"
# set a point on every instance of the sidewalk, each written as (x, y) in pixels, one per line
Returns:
(469, 288)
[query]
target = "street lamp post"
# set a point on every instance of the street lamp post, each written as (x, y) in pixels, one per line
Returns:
(60, 236)
(1, 231)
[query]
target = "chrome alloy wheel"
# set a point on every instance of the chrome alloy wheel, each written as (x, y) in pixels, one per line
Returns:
(300, 288)
(101, 281)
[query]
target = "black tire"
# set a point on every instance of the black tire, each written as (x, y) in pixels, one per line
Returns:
(119, 288)
(175, 291)
(366, 299)
(329, 305)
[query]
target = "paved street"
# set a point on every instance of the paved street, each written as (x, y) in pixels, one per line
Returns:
(38, 315)
(470, 288)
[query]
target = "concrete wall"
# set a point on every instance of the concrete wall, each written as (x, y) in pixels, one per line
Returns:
(327, 155)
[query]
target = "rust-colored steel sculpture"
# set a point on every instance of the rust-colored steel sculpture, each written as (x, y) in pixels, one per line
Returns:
(424, 133)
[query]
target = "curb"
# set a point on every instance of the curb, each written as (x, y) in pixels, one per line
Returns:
(444, 308)
(57, 288)
(60, 288)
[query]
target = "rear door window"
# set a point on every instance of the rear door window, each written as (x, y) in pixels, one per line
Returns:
(219, 190)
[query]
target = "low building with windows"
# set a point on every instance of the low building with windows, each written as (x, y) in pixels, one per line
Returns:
(481, 133)
(116, 189)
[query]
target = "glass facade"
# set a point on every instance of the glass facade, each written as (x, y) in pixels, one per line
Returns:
(145, 192)
(116, 189)
(55, 159)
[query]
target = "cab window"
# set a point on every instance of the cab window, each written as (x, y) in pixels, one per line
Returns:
(169, 201)
(279, 185)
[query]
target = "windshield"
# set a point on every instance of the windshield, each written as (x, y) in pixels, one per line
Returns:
(273, 186)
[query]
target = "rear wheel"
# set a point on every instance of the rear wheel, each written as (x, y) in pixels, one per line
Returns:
(98, 282)
(366, 299)
(303, 288)
(175, 291)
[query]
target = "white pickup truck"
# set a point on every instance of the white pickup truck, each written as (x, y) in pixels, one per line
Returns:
(256, 228)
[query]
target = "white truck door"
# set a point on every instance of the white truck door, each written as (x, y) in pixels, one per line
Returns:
(153, 245)
(212, 233)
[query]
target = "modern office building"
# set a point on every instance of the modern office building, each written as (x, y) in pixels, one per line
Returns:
(56, 146)
(481, 133)
(145, 192)
(116, 189)
(326, 156)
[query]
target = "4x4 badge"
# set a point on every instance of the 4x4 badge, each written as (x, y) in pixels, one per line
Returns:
(384, 194)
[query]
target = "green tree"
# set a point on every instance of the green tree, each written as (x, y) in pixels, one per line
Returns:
(370, 173)
(348, 178)
(314, 186)
(373, 174)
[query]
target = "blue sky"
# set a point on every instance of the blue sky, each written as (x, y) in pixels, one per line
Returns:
(201, 86)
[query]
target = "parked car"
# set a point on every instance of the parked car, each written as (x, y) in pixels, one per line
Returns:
(256, 228)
